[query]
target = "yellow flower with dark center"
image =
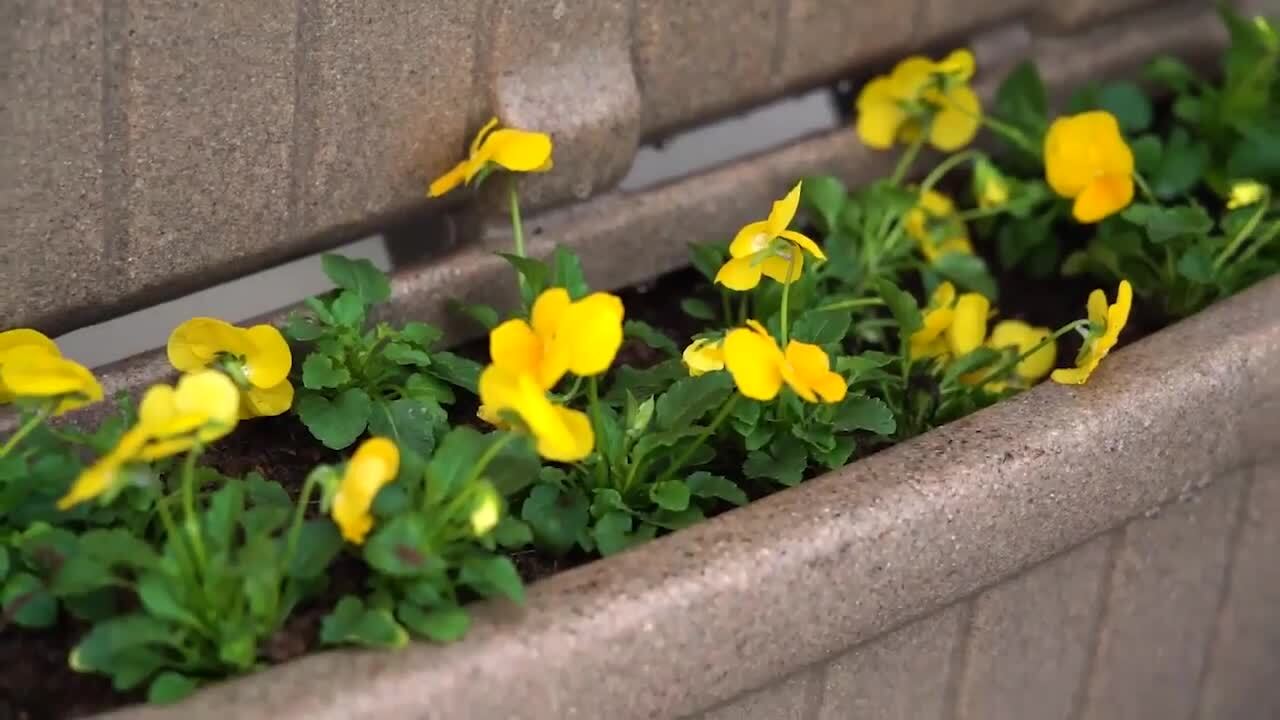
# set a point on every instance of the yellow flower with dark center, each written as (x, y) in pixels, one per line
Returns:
(929, 341)
(921, 95)
(1022, 337)
(768, 248)
(258, 359)
(759, 367)
(1106, 322)
(30, 371)
(1245, 193)
(487, 510)
(704, 355)
(581, 337)
(561, 434)
(935, 217)
(374, 464)
(509, 148)
(968, 326)
(1086, 158)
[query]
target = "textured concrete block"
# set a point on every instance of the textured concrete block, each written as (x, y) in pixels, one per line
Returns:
(209, 110)
(942, 18)
(793, 698)
(565, 69)
(684, 75)
(901, 676)
(51, 187)
(1160, 615)
(825, 39)
(1243, 681)
(383, 103)
(1074, 14)
(1031, 637)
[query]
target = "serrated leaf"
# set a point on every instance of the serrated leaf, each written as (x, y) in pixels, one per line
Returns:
(26, 602)
(706, 259)
(348, 309)
(612, 533)
(338, 422)
(969, 272)
(689, 399)
(170, 687)
(1021, 98)
(401, 548)
(1182, 165)
(839, 453)
(905, 310)
(454, 462)
(566, 272)
(444, 625)
(352, 623)
(697, 308)
(484, 315)
(411, 423)
(556, 516)
(319, 373)
(822, 327)
(865, 413)
(301, 328)
(456, 370)
(651, 336)
(156, 590)
(512, 533)
(1128, 103)
(535, 274)
(1166, 223)
(402, 353)
(360, 276)
(1196, 265)
(670, 495)
(427, 388)
(319, 543)
(421, 334)
(825, 196)
(492, 575)
(647, 382)
(706, 485)
(786, 466)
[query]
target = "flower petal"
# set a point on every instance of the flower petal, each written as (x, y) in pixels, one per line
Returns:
(959, 64)
(25, 337)
(754, 360)
(957, 120)
(968, 326)
(36, 374)
(1022, 337)
(267, 402)
(751, 239)
(574, 444)
(592, 333)
(783, 212)
(549, 311)
(880, 118)
(1097, 307)
(484, 131)
(448, 181)
(803, 242)
(784, 269)
(514, 347)
(1105, 196)
(197, 342)
(703, 356)
(812, 373)
(1071, 376)
(518, 150)
(269, 359)
(739, 274)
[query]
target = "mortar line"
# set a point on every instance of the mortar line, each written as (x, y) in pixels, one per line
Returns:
(115, 132)
(1102, 613)
(1224, 594)
(958, 664)
(302, 124)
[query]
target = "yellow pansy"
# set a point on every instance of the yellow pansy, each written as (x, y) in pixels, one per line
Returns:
(1245, 193)
(515, 150)
(374, 464)
(1022, 337)
(1086, 158)
(1106, 322)
(105, 475)
(258, 359)
(768, 248)
(487, 510)
(968, 326)
(759, 367)
(202, 407)
(30, 371)
(929, 340)
(561, 434)
(921, 95)
(581, 337)
(934, 216)
(704, 355)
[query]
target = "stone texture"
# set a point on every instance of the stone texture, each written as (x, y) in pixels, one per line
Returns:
(1160, 615)
(825, 39)
(902, 676)
(684, 77)
(1244, 665)
(1073, 14)
(52, 195)
(1031, 637)
(947, 18)
(794, 698)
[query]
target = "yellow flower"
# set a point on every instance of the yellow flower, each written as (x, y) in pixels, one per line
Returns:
(258, 359)
(921, 95)
(991, 187)
(202, 407)
(768, 248)
(105, 475)
(1086, 158)
(581, 337)
(1106, 323)
(759, 367)
(1021, 337)
(1245, 193)
(374, 464)
(704, 355)
(929, 341)
(30, 371)
(968, 326)
(935, 215)
(487, 510)
(561, 434)
(515, 150)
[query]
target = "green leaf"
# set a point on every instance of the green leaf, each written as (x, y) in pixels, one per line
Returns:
(301, 328)
(319, 543)
(1196, 265)
(80, 574)
(170, 687)
(612, 533)
(1147, 151)
(824, 195)
(319, 372)
(421, 334)
(454, 462)
(156, 591)
(535, 273)
(269, 506)
(456, 370)
(5, 563)
(690, 399)
(351, 623)
(512, 533)
(427, 388)
(903, 306)
(359, 276)
(865, 413)
(402, 353)
(839, 453)
(492, 575)
(566, 272)
(514, 467)
(348, 309)
(556, 516)
(1128, 103)
(822, 327)
(707, 259)
(338, 422)
(484, 315)
(758, 437)
(647, 382)
(699, 309)
(979, 359)
(400, 547)
(637, 415)
(1182, 165)
(412, 424)
(705, 485)
(969, 272)
(651, 336)
(1021, 98)
(785, 466)
(670, 495)
(1166, 223)
(1171, 72)
(443, 626)
(27, 602)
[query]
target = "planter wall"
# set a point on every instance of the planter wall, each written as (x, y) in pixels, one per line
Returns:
(1106, 551)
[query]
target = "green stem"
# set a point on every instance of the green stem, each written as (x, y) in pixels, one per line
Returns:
(742, 309)
(488, 455)
(1145, 188)
(295, 527)
(726, 306)
(1263, 239)
(28, 427)
(572, 391)
(1241, 236)
(786, 291)
(517, 228)
(979, 213)
(593, 407)
(191, 521)
(184, 553)
(850, 304)
(946, 166)
(707, 432)
(908, 158)
(1012, 134)
(1009, 365)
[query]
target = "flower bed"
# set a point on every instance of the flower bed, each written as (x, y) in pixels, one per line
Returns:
(842, 361)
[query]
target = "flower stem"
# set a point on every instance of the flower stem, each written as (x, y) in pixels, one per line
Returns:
(313, 478)
(191, 521)
(1011, 133)
(1009, 365)
(908, 159)
(1263, 239)
(487, 457)
(946, 166)
(517, 227)
(707, 432)
(1145, 188)
(786, 291)
(1241, 236)
(27, 428)
(850, 304)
